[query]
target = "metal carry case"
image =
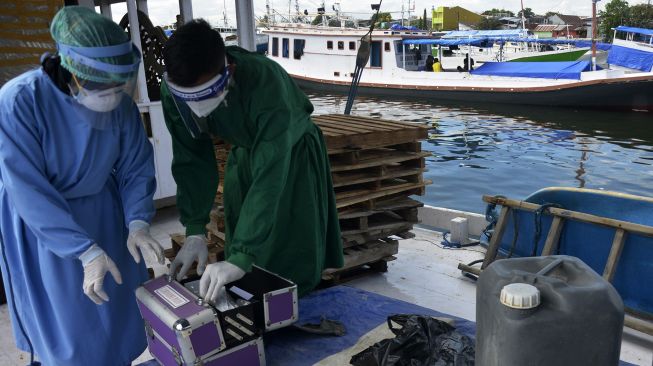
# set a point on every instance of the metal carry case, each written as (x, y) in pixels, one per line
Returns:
(251, 353)
(180, 328)
(274, 298)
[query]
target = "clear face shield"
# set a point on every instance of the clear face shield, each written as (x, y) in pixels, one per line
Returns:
(97, 85)
(196, 103)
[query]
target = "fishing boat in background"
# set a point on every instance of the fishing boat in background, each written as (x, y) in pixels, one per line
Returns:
(322, 58)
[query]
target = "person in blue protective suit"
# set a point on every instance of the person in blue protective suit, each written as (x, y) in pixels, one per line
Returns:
(76, 188)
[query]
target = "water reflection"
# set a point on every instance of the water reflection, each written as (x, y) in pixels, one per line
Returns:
(516, 150)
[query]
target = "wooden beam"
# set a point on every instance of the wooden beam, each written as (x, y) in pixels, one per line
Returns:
(638, 324)
(574, 215)
(495, 242)
(615, 254)
(553, 238)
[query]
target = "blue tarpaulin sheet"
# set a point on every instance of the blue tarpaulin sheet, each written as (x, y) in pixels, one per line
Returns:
(631, 58)
(401, 27)
(544, 70)
(622, 28)
(360, 311)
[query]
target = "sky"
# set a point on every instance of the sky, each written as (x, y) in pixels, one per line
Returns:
(163, 12)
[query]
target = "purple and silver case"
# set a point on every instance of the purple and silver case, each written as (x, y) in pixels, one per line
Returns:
(181, 330)
(251, 353)
(276, 298)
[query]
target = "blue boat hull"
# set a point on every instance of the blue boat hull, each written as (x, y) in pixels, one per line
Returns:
(592, 243)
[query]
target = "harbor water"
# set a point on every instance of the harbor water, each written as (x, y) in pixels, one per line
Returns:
(514, 150)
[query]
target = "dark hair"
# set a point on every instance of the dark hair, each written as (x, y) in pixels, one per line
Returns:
(436, 60)
(193, 50)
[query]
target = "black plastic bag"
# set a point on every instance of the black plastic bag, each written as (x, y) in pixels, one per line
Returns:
(420, 341)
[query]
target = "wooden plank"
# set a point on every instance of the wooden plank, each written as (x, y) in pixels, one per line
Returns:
(362, 238)
(377, 121)
(351, 178)
(615, 254)
(500, 228)
(368, 253)
(383, 206)
(575, 215)
(369, 126)
(377, 157)
(641, 325)
(336, 131)
(384, 192)
(553, 238)
(356, 127)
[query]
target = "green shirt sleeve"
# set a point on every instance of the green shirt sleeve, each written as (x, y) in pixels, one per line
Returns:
(194, 168)
(270, 161)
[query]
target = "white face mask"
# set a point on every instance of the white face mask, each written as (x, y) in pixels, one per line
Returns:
(203, 108)
(100, 100)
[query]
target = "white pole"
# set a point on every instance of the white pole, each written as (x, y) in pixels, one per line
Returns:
(186, 10)
(245, 24)
(86, 3)
(105, 9)
(403, 54)
(134, 30)
(142, 6)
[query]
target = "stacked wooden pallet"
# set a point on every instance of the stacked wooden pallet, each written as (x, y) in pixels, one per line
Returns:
(376, 166)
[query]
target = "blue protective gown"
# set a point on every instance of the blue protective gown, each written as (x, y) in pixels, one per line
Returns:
(70, 177)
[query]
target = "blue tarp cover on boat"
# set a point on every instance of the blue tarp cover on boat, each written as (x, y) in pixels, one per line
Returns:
(544, 70)
(401, 27)
(449, 42)
(630, 58)
(622, 28)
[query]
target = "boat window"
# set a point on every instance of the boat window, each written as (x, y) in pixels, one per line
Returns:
(275, 46)
(330, 45)
(298, 48)
(285, 48)
(341, 45)
(375, 54)
(336, 73)
(352, 46)
(387, 46)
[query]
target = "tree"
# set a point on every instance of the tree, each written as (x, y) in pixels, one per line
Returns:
(615, 14)
(317, 20)
(498, 12)
(641, 16)
(551, 13)
(489, 24)
(528, 13)
(382, 18)
(425, 25)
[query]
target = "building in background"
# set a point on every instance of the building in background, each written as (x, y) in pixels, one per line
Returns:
(445, 18)
(574, 26)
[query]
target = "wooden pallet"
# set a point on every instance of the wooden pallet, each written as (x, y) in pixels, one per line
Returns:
(343, 133)
(372, 255)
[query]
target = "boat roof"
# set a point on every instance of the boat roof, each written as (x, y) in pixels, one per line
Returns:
(622, 28)
(486, 33)
(489, 41)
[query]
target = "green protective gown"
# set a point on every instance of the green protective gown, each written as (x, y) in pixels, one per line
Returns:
(279, 202)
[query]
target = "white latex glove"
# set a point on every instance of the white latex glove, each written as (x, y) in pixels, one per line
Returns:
(140, 238)
(194, 249)
(94, 272)
(216, 276)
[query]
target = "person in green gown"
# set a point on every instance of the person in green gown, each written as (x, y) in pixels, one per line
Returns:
(280, 211)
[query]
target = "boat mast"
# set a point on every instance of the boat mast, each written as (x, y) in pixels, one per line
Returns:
(523, 16)
(594, 34)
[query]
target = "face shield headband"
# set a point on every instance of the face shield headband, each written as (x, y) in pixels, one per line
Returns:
(211, 89)
(88, 56)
